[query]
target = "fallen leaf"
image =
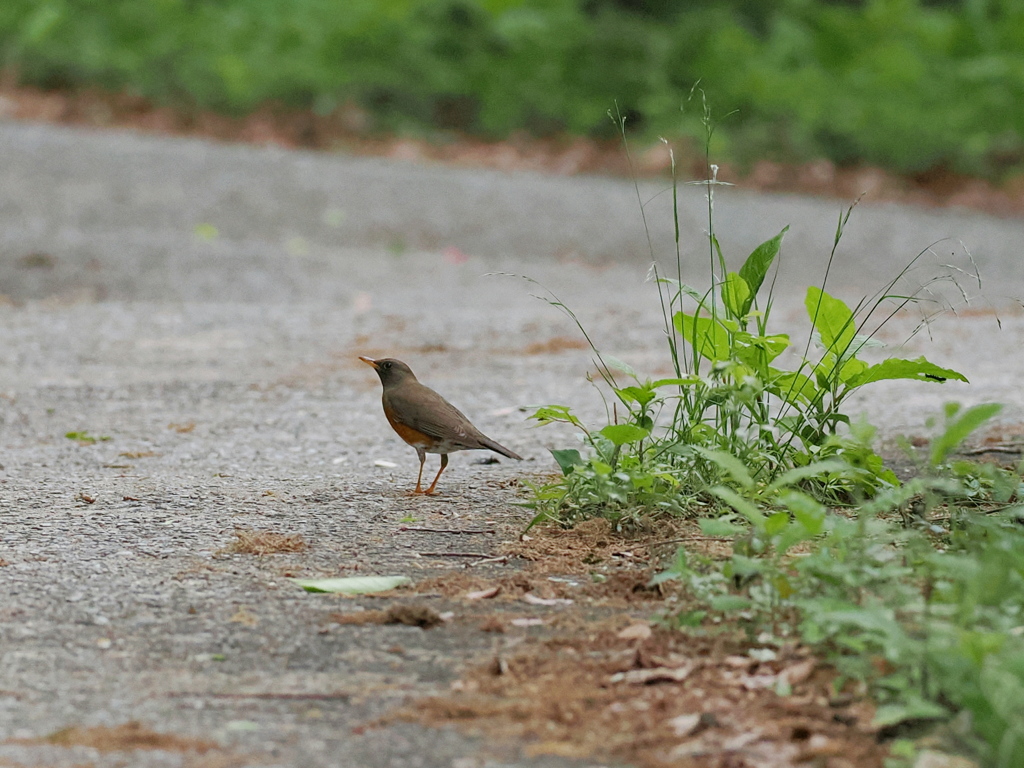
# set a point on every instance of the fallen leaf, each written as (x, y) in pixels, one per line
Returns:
(492, 624)
(757, 682)
(819, 746)
(649, 676)
(354, 585)
(737, 662)
(798, 673)
(243, 616)
(532, 599)
(636, 632)
(483, 594)
(929, 758)
(684, 725)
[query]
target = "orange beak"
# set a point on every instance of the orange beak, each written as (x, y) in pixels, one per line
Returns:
(369, 361)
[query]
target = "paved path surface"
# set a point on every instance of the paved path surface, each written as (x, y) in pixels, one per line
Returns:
(203, 305)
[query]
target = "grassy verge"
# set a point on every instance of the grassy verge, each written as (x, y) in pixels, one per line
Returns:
(912, 86)
(914, 590)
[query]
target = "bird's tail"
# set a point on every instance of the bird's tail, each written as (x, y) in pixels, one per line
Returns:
(486, 442)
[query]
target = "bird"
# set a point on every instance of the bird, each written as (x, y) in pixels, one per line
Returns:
(425, 420)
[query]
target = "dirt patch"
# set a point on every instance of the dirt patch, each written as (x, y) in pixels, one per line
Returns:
(263, 543)
(588, 562)
(415, 615)
(122, 738)
(660, 699)
(592, 546)
(612, 684)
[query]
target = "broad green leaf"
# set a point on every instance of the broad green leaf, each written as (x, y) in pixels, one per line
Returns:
(959, 428)
(619, 365)
(727, 603)
(785, 589)
(832, 319)
(759, 351)
(795, 386)
(776, 522)
(809, 513)
(623, 434)
(642, 395)
(1003, 686)
(742, 505)
(718, 527)
(547, 414)
(567, 459)
(708, 337)
(756, 267)
(895, 368)
(729, 464)
(354, 585)
(793, 534)
(743, 565)
(916, 709)
(683, 382)
(735, 293)
(851, 369)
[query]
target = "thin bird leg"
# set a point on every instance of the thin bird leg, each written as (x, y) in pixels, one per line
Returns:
(419, 477)
(444, 463)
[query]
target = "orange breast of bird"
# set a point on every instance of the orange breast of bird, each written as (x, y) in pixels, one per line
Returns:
(412, 436)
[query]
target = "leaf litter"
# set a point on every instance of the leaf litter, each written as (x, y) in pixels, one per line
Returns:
(666, 700)
(595, 678)
(264, 543)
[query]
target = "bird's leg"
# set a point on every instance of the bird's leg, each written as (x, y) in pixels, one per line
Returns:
(423, 457)
(444, 463)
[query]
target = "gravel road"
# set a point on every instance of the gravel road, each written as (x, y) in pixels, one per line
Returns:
(199, 309)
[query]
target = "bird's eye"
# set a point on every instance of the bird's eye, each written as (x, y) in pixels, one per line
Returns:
(385, 366)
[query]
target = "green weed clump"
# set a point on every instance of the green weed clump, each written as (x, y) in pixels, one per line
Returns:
(731, 415)
(918, 593)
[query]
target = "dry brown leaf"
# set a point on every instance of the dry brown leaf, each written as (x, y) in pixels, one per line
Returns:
(483, 594)
(649, 676)
(636, 632)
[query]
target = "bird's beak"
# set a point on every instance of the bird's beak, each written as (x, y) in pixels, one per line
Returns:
(370, 361)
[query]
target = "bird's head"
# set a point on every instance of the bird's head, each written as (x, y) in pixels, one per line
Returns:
(391, 371)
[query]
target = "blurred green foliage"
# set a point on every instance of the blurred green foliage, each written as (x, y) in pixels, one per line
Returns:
(908, 84)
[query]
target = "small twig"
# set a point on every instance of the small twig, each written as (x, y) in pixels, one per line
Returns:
(682, 539)
(421, 529)
(452, 554)
(1001, 448)
(488, 560)
(264, 695)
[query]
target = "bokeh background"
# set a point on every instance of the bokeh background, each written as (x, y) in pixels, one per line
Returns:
(916, 87)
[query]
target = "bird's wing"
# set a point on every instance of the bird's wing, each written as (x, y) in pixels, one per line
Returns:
(433, 415)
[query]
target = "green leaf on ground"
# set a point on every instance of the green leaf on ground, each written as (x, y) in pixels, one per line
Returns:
(354, 585)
